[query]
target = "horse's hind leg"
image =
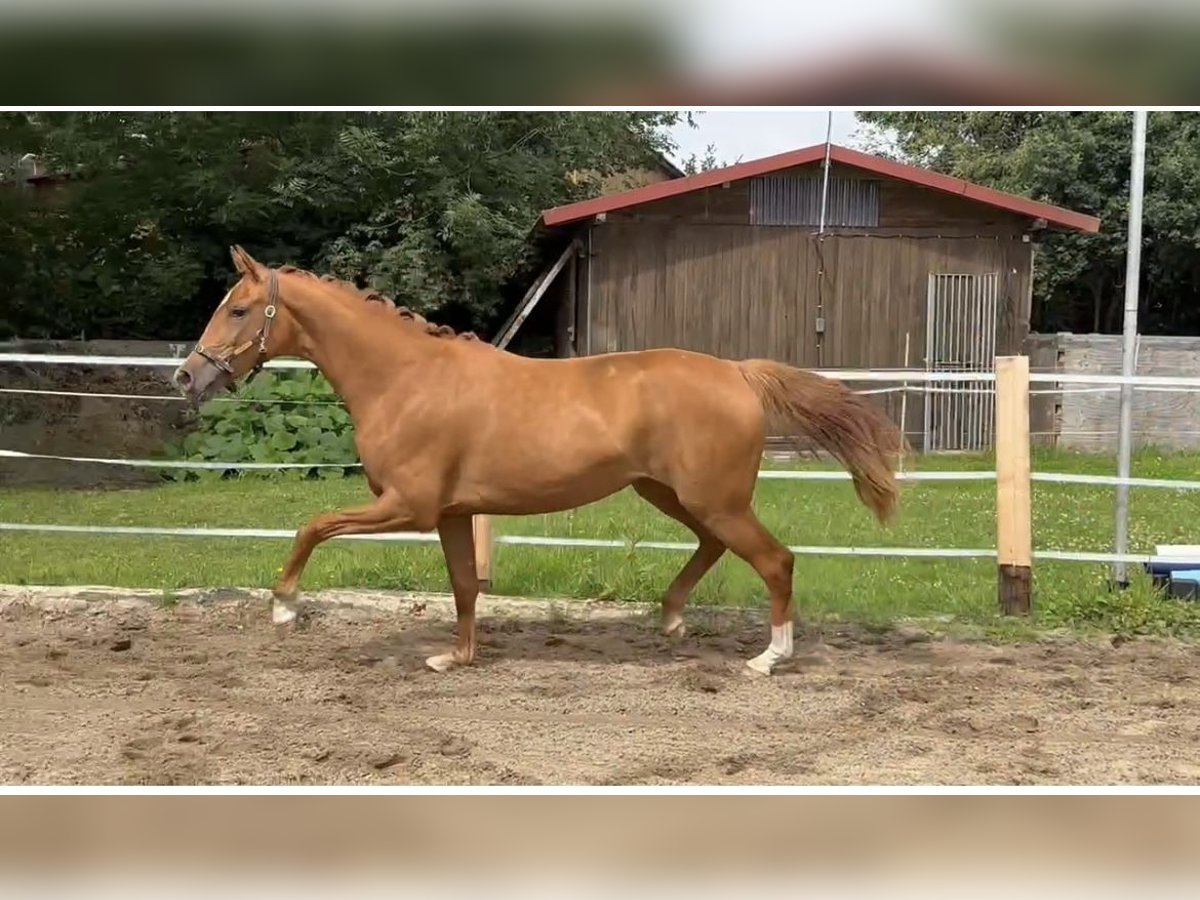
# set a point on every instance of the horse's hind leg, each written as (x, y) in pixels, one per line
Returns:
(703, 559)
(746, 536)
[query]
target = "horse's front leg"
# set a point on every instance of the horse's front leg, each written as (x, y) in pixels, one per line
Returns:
(458, 546)
(389, 512)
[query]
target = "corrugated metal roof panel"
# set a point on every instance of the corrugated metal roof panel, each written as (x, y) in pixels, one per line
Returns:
(796, 200)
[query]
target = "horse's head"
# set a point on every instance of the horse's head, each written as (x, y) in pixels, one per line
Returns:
(237, 339)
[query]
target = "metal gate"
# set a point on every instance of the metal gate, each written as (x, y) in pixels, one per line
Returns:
(960, 336)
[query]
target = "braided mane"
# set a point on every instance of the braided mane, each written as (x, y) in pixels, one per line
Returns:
(369, 296)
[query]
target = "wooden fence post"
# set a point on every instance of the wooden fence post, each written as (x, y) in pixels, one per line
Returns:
(482, 527)
(1014, 501)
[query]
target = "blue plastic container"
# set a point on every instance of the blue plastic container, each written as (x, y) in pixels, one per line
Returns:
(1185, 584)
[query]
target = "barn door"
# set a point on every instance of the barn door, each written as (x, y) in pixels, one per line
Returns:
(960, 336)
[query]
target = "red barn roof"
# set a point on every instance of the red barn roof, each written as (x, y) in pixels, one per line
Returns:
(1054, 215)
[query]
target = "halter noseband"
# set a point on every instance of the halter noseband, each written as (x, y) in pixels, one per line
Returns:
(224, 362)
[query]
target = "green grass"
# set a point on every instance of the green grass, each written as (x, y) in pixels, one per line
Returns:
(864, 589)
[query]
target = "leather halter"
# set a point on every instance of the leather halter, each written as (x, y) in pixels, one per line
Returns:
(224, 363)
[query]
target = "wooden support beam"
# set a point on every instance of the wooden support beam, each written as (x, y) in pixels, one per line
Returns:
(484, 545)
(1014, 495)
(482, 525)
(570, 302)
(531, 298)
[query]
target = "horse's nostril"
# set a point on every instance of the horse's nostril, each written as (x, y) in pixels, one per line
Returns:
(183, 378)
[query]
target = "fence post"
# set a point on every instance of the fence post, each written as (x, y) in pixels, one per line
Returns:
(1014, 502)
(482, 527)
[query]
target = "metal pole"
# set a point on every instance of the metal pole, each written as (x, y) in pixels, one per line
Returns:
(1133, 258)
(904, 404)
(820, 323)
(825, 180)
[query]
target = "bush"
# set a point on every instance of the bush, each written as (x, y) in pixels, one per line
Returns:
(286, 417)
(1140, 611)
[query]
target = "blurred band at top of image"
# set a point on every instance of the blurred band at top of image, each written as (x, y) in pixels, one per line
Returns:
(533, 52)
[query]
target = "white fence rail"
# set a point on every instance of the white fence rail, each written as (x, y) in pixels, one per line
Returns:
(913, 377)
(856, 375)
(532, 540)
(764, 474)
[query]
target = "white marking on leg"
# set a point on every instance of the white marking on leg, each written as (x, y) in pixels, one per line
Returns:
(282, 613)
(441, 663)
(780, 649)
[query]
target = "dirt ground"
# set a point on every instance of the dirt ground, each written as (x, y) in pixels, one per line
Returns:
(99, 691)
(87, 426)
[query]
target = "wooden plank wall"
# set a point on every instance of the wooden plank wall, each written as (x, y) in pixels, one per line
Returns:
(739, 291)
(904, 208)
(912, 209)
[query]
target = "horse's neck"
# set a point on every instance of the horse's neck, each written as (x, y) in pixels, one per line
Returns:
(344, 340)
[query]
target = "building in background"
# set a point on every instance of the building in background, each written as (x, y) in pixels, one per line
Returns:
(884, 266)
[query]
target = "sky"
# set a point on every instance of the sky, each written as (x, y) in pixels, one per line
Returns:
(743, 135)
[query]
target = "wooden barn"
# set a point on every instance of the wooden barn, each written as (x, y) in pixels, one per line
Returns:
(877, 266)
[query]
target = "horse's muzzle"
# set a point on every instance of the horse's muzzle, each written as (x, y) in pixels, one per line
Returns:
(198, 379)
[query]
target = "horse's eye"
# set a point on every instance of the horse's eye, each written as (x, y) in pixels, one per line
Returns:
(238, 312)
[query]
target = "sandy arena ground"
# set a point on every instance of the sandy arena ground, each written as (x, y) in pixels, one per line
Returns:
(98, 690)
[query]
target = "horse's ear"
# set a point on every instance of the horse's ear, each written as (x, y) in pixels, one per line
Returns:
(245, 263)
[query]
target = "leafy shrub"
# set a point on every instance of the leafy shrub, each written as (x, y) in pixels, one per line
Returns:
(278, 417)
(1140, 611)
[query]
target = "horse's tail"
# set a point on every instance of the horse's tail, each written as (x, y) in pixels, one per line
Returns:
(845, 424)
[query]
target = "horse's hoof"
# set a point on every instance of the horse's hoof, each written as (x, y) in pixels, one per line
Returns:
(675, 628)
(759, 666)
(443, 662)
(282, 614)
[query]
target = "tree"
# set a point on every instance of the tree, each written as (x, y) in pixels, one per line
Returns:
(695, 164)
(433, 208)
(1081, 161)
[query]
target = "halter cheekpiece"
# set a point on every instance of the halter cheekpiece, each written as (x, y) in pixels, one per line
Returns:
(224, 362)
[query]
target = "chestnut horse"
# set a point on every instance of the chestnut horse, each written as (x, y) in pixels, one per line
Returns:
(448, 427)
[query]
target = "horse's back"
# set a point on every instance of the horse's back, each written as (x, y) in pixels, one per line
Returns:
(674, 410)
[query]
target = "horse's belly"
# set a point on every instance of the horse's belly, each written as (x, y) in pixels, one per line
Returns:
(526, 485)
